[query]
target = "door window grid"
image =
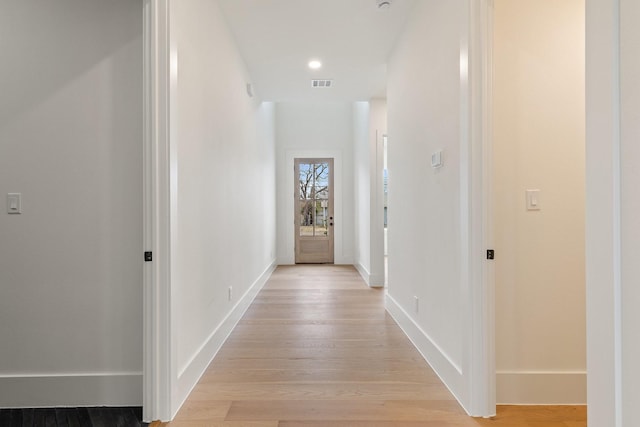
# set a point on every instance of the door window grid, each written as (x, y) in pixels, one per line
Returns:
(314, 199)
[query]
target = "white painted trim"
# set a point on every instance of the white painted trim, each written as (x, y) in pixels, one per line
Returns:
(446, 369)
(373, 281)
(376, 202)
(469, 300)
(376, 281)
(541, 388)
(488, 271)
(83, 389)
(617, 217)
(603, 256)
(476, 273)
(156, 389)
(194, 369)
(482, 277)
(364, 273)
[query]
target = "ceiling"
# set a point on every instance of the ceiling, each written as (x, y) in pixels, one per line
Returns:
(352, 38)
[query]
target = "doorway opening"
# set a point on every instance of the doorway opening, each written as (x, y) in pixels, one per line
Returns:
(385, 198)
(539, 201)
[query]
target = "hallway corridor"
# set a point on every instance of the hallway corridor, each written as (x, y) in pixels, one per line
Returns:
(316, 348)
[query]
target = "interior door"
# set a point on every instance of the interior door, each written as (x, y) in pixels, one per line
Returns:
(314, 218)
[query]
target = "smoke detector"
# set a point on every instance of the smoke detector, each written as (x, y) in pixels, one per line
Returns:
(384, 4)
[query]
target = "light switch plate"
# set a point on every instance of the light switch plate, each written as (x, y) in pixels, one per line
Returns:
(436, 159)
(533, 200)
(14, 203)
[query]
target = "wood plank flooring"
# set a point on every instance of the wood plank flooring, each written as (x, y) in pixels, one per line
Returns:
(316, 348)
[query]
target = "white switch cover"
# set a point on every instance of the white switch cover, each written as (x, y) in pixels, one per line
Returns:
(436, 159)
(533, 200)
(14, 203)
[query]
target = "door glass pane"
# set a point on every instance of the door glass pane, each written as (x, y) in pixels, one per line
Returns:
(306, 217)
(321, 192)
(306, 181)
(322, 174)
(313, 180)
(321, 218)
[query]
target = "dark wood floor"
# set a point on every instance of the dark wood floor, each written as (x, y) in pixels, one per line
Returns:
(72, 417)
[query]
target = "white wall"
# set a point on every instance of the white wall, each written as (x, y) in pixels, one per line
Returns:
(425, 218)
(630, 210)
(369, 126)
(316, 130)
(539, 143)
(362, 188)
(223, 183)
(71, 143)
(613, 228)
(377, 129)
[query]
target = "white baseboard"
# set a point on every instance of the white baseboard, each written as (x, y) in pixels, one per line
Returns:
(285, 261)
(541, 388)
(343, 260)
(372, 280)
(376, 280)
(190, 375)
(71, 390)
(440, 362)
(364, 273)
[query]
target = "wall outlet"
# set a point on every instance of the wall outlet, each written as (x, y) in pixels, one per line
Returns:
(416, 304)
(230, 293)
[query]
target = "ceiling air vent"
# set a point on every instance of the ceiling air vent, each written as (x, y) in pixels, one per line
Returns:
(315, 83)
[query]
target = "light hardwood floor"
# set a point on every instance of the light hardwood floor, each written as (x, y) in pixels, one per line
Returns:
(316, 348)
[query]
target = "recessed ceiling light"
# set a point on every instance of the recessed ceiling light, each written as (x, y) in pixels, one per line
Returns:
(315, 64)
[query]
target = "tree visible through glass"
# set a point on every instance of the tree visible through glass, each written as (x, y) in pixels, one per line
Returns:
(314, 199)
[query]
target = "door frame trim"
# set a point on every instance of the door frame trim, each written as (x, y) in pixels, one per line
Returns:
(481, 284)
(377, 272)
(156, 213)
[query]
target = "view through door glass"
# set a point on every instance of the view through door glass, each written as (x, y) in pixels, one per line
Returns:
(314, 210)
